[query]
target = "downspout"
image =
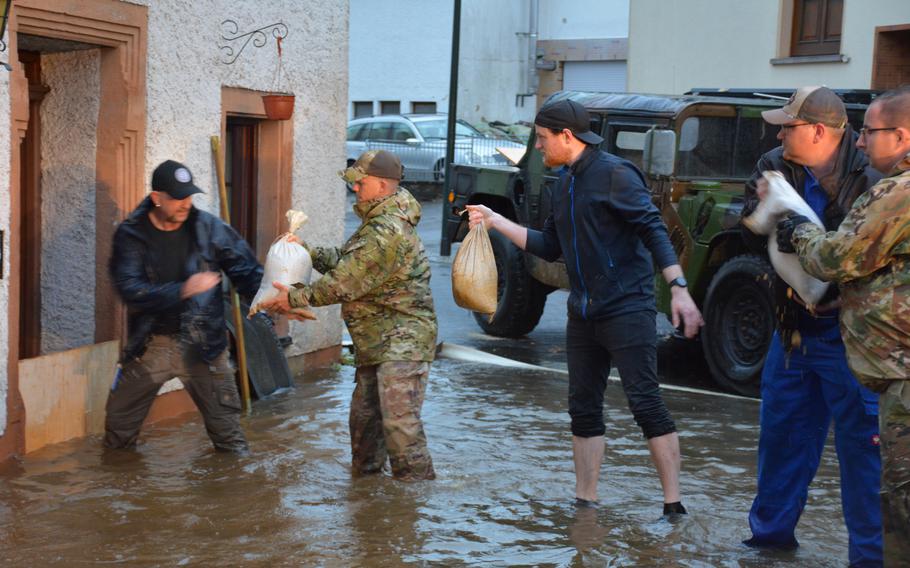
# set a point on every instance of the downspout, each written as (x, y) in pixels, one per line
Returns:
(530, 79)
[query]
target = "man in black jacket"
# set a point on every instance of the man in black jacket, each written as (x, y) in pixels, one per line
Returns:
(166, 265)
(604, 225)
(806, 380)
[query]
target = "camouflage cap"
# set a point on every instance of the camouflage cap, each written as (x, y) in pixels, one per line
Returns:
(379, 163)
(816, 105)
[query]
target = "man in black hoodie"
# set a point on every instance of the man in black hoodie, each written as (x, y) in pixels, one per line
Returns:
(806, 380)
(604, 225)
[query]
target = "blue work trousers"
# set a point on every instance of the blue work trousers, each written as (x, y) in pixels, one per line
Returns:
(799, 399)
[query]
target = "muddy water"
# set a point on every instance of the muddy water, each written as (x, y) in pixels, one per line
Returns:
(504, 494)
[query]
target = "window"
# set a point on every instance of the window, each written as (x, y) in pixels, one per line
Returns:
(401, 132)
(816, 27)
(423, 107)
(390, 107)
(379, 131)
(363, 109)
(627, 141)
(357, 131)
(439, 128)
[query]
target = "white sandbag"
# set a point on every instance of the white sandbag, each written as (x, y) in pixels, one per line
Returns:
(780, 201)
(287, 263)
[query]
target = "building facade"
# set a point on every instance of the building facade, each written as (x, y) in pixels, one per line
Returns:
(511, 55)
(678, 45)
(100, 92)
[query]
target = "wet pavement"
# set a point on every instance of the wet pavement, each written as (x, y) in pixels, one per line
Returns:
(504, 496)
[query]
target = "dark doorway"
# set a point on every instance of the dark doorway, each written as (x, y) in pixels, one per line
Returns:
(240, 173)
(30, 220)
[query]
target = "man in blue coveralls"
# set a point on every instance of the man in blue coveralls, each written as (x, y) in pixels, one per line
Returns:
(806, 381)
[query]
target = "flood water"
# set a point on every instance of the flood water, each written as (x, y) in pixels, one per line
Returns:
(504, 497)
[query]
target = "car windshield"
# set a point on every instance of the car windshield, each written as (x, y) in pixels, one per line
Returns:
(437, 129)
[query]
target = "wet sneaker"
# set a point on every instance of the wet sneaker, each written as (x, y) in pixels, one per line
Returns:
(585, 504)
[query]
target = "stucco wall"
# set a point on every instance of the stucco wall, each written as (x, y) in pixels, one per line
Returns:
(185, 76)
(583, 19)
(69, 120)
(4, 226)
(675, 45)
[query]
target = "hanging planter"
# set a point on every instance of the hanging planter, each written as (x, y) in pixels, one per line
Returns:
(278, 105)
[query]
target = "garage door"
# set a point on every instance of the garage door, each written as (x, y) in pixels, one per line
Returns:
(594, 76)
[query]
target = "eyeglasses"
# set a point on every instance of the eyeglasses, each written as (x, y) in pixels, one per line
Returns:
(863, 131)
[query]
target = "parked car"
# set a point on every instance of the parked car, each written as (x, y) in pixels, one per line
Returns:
(419, 140)
(696, 150)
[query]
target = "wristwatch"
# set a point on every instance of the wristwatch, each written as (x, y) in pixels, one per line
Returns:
(679, 281)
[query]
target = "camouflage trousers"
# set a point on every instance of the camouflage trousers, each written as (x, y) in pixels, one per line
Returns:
(385, 420)
(894, 426)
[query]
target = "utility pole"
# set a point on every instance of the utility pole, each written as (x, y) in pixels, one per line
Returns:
(445, 247)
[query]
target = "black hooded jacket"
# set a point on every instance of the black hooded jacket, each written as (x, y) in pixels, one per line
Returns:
(217, 247)
(604, 225)
(854, 175)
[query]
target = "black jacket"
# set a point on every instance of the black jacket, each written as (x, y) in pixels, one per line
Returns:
(853, 176)
(133, 271)
(602, 221)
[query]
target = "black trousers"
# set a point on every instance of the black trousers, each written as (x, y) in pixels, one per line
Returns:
(628, 341)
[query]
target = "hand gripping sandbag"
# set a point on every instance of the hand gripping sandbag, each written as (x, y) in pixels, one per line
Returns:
(474, 276)
(780, 201)
(287, 263)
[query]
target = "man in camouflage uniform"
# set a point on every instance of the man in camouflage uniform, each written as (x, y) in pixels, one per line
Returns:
(869, 256)
(381, 277)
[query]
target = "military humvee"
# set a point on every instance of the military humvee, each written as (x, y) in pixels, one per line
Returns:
(696, 150)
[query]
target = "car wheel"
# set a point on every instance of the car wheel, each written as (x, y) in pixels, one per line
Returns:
(520, 298)
(739, 323)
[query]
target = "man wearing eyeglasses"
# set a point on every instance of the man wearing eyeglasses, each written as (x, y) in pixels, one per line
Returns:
(806, 381)
(869, 256)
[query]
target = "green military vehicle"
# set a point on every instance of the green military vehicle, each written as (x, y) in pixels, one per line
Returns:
(696, 150)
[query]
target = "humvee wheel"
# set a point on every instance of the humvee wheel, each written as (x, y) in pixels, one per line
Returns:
(739, 323)
(520, 298)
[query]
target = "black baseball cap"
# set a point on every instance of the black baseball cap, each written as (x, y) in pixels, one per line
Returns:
(568, 114)
(174, 179)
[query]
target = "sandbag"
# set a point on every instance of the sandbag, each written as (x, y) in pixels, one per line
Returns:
(287, 263)
(780, 201)
(474, 276)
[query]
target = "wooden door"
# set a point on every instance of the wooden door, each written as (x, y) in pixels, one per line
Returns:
(240, 172)
(30, 213)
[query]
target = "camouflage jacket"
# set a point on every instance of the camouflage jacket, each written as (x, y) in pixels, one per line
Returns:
(381, 278)
(869, 255)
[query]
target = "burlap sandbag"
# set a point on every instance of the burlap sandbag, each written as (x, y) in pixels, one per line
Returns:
(474, 274)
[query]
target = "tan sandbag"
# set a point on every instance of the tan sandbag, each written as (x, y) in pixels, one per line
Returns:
(474, 277)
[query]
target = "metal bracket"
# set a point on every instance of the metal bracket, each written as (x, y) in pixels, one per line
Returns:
(230, 33)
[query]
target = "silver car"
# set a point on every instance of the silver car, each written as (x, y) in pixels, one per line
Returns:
(419, 140)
